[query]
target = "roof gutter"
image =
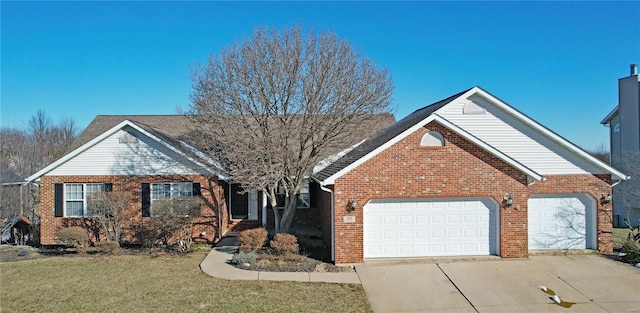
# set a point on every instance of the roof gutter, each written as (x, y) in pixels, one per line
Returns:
(333, 245)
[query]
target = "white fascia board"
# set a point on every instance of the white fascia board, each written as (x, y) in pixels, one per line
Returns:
(563, 142)
(466, 135)
(103, 136)
(606, 120)
(331, 179)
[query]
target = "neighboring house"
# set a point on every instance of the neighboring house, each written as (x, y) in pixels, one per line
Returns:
(624, 134)
(468, 175)
(150, 157)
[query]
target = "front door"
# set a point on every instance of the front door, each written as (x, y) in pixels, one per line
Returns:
(239, 203)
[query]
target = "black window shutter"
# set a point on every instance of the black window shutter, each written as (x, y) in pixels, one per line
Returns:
(108, 187)
(146, 200)
(196, 189)
(58, 200)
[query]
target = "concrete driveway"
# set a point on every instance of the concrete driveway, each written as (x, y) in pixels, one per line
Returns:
(593, 282)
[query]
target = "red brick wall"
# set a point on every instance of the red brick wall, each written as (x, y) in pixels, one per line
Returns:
(458, 169)
(211, 192)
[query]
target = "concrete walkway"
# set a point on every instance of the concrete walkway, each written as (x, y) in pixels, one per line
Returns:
(217, 264)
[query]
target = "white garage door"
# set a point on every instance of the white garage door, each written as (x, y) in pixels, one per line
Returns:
(430, 227)
(562, 222)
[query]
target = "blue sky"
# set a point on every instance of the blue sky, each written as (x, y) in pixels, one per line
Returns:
(557, 62)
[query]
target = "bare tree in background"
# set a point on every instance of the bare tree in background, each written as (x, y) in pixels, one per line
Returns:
(601, 152)
(630, 189)
(23, 152)
(270, 107)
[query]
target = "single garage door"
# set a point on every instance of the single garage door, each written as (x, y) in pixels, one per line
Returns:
(430, 227)
(566, 221)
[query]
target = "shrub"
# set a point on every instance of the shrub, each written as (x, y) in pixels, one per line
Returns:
(252, 239)
(74, 236)
(632, 250)
(107, 247)
(285, 243)
(241, 257)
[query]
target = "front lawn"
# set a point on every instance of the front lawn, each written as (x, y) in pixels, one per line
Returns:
(167, 283)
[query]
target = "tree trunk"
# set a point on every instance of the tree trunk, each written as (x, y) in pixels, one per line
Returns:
(277, 217)
(271, 194)
(289, 213)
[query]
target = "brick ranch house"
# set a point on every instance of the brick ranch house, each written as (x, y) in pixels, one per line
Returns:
(467, 175)
(150, 157)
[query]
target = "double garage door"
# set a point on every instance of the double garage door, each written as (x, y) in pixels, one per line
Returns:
(395, 228)
(430, 227)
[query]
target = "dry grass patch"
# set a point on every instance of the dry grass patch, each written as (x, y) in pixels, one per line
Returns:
(140, 283)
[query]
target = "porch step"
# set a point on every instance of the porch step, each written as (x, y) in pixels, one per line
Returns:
(238, 226)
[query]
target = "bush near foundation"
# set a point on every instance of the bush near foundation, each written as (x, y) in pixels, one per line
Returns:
(284, 244)
(252, 240)
(74, 236)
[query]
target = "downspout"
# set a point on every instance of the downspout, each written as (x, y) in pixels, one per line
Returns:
(333, 245)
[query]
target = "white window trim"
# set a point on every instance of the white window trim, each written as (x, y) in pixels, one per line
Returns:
(171, 191)
(85, 212)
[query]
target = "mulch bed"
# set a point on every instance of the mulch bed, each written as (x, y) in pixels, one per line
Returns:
(267, 262)
(311, 259)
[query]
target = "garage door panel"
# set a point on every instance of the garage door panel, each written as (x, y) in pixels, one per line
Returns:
(438, 219)
(446, 227)
(561, 222)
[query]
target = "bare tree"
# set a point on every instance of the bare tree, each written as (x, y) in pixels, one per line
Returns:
(630, 189)
(26, 151)
(601, 152)
(270, 107)
(108, 208)
(173, 219)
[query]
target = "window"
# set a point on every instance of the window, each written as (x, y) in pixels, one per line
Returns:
(168, 191)
(75, 198)
(432, 139)
(171, 190)
(304, 198)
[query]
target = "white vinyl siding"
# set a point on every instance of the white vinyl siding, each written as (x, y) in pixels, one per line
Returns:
(516, 139)
(115, 156)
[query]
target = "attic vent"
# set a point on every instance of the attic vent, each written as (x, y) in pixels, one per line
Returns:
(432, 139)
(473, 108)
(127, 138)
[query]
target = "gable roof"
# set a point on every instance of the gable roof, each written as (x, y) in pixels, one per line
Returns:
(172, 131)
(382, 137)
(607, 119)
(421, 117)
(155, 134)
(171, 125)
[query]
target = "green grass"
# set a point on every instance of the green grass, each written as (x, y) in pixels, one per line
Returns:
(619, 237)
(142, 283)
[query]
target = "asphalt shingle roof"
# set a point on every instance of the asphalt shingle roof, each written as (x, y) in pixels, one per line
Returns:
(382, 137)
(172, 129)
